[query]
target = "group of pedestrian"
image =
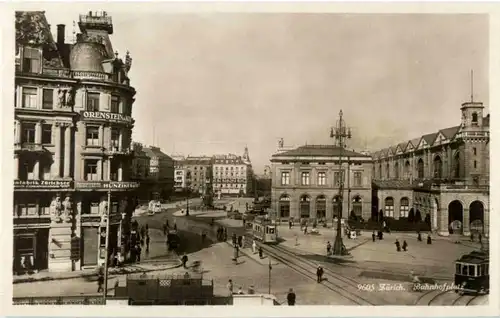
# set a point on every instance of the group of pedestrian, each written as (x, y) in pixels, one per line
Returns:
(379, 235)
(398, 245)
(221, 234)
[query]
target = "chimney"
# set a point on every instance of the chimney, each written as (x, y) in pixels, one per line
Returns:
(60, 33)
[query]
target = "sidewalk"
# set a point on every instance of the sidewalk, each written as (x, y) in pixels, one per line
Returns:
(149, 262)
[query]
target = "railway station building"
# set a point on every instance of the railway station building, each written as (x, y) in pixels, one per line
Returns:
(442, 176)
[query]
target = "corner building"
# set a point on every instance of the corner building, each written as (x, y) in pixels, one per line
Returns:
(306, 180)
(73, 130)
(442, 176)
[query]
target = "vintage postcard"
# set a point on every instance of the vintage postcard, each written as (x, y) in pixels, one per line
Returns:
(230, 155)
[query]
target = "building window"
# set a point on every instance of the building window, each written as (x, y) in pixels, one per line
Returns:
(321, 178)
(357, 206)
(92, 136)
(474, 118)
(305, 178)
(46, 134)
(115, 104)
(31, 60)
(304, 206)
(48, 99)
(357, 178)
(27, 208)
(115, 138)
(404, 208)
(114, 171)
(90, 169)
(45, 175)
(321, 207)
(93, 102)
(420, 168)
(285, 178)
(389, 207)
(28, 133)
(27, 170)
(474, 151)
(337, 178)
(475, 164)
(29, 97)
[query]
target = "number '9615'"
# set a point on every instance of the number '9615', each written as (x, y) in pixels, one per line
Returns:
(366, 287)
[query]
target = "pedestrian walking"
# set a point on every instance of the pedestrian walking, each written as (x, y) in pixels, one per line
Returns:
(291, 297)
(305, 229)
(405, 246)
(234, 239)
(240, 241)
(230, 287)
(290, 224)
(398, 245)
(254, 247)
(164, 229)
(429, 240)
(225, 234)
(319, 274)
(184, 260)
(419, 237)
(296, 240)
(328, 248)
(261, 252)
(139, 250)
(148, 239)
(373, 236)
(236, 253)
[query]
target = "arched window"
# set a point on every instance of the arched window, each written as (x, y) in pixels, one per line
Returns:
(407, 170)
(321, 207)
(438, 167)
(420, 168)
(404, 207)
(396, 171)
(305, 206)
(387, 172)
(380, 171)
(474, 118)
(284, 206)
(456, 165)
(357, 206)
(389, 207)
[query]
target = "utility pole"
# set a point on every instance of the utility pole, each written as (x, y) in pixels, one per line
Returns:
(108, 212)
(340, 133)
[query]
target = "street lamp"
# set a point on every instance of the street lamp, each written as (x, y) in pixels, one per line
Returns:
(340, 133)
(187, 202)
(270, 268)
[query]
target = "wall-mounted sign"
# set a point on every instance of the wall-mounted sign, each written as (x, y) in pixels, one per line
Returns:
(113, 117)
(125, 185)
(42, 184)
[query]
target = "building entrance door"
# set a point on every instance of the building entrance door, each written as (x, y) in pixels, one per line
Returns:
(90, 246)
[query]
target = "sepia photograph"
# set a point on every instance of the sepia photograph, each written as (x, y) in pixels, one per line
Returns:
(249, 158)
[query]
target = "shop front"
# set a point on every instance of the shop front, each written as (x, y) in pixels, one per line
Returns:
(30, 250)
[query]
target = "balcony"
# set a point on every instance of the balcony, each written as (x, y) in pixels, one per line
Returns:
(115, 151)
(91, 75)
(28, 147)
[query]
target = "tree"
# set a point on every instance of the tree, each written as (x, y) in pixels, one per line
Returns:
(411, 216)
(418, 216)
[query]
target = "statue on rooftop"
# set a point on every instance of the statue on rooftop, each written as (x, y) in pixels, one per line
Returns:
(281, 143)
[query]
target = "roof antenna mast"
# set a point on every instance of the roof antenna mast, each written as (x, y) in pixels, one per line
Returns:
(472, 86)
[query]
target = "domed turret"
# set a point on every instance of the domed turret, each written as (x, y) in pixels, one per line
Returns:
(87, 56)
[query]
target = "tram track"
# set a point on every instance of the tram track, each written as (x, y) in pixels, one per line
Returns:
(445, 298)
(306, 268)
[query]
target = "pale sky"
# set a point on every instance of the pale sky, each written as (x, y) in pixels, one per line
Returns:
(211, 83)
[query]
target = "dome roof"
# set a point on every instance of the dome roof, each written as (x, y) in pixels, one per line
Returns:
(87, 56)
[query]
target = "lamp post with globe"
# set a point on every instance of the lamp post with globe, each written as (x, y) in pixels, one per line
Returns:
(340, 133)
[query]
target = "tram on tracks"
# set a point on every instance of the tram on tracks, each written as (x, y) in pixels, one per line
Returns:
(472, 273)
(264, 230)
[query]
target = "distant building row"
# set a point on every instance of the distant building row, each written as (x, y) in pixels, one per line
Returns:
(225, 175)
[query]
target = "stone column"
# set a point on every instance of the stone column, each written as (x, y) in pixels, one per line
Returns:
(57, 155)
(84, 133)
(36, 170)
(67, 151)
(99, 169)
(120, 171)
(16, 167)
(120, 139)
(101, 135)
(466, 222)
(443, 221)
(486, 223)
(38, 133)
(17, 137)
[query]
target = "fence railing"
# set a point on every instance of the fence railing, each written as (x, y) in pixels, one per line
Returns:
(65, 300)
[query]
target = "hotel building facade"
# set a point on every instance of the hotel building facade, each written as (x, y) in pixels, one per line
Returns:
(73, 125)
(443, 176)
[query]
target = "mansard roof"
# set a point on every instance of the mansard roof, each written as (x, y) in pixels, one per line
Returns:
(319, 151)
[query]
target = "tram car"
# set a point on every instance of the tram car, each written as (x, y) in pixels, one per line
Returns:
(472, 273)
(264, 230)
(173, 239)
